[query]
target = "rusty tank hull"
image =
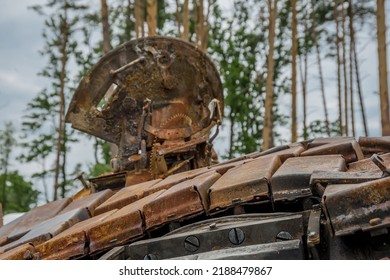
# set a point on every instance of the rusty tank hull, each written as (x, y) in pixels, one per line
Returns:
(167, 197)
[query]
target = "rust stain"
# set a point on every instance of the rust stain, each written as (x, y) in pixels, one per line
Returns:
(179, 201)
(244, 183)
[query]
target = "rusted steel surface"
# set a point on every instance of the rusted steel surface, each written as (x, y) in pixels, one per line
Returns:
(292, 180)
(180, 177)
(126, 196)
(350, 150)
(224, 167)
(236, 231)
(110, 181)
(90, 202)
(49, 228)
(181, 200)
(375, 145)
(244, 183)
(367, 165)
(329, 178)
(283, 154)
(25, 223)
(355, 207)
(327, 140)
(72, 242)
(23, 252)
(122, 226)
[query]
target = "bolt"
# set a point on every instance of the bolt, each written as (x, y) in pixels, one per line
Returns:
(375, 221)
(191, 243)
(236, 236)
(150, 257)
(283, 236)
(313, 237)
(28, 255)
(213, 226)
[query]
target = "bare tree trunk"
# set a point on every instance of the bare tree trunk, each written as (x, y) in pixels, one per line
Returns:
(139, 18)
(268, 123)
(360, 94)
(339, 95)
(178, 20)
(345, 72)
(128, 20)
(382, 66)
(152, 17)
(105, 27)
(1, 215)
(186, 20)
(303, 75)
(351, 68)
(61, 114)
(319, 62)
(294, 72)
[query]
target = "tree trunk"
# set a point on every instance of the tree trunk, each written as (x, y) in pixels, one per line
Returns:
(105, 27)
(351, 68)
(61, 114)
(345, 72)
(294, 72)
(186, 20)
(359, 90)
(268, 122)
(178, 19)
(152, 17)
(1, 215)
(319, 62)
(382, 66)
(231, 135)
(303, 75)
(339, 95)
(139, 18)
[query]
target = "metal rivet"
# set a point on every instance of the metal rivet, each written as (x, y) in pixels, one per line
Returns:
(28, 255)
(213, 226)
(375, 221)
(236, 236)
(283, 236)
(150, 257)
(191, 243)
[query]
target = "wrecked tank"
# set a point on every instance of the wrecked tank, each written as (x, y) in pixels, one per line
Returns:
(160, 101)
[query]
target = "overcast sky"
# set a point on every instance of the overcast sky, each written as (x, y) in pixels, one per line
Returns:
(20, 41)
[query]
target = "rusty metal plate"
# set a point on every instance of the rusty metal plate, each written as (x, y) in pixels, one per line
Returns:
(350, 149)
(49, 228)
(367, 165)
(287, 250)
(375, 145)
(89, 202)
(225, 166)
(181, 200)
(292, 180)
(329, 178)
(25, 223)
(110, 181)
(72, 242)
(120, 227)
(285, 153)
(161, 69)
(327, 140)
(23, 252)
(244, 183)
(126, 196)
(179, 177)
(227, 232)
(355, 207)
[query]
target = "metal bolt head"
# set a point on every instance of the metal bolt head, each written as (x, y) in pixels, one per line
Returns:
(150, 257)
(191, 243)
(375, 221)
(236, 236)
(283, 236)
(213, 226)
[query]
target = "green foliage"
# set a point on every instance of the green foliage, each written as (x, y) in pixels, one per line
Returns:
(41, 123)
(18, 194)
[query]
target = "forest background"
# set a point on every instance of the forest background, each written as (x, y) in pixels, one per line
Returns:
(291, 70)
